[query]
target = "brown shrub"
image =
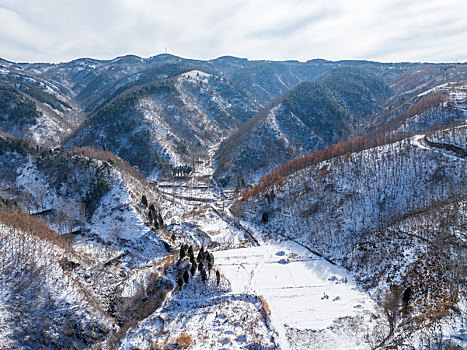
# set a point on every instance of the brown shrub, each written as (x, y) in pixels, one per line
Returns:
(184, 341)
(265, 305)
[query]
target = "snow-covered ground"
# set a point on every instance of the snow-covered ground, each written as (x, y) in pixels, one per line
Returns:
(304, 294)
(309, 302)
(273, 294)
(303, 291)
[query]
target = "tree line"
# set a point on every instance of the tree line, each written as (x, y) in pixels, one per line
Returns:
(358, 144)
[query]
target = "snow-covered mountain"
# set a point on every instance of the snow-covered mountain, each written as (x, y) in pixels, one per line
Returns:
(312, 116)
(35, 108)
(353, 237)
(74, 101)
(167, 121)
(340, 104)
(393, 214)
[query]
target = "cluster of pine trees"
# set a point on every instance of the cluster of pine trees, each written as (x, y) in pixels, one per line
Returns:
(154, 217)
(16, 108)
(203, 263)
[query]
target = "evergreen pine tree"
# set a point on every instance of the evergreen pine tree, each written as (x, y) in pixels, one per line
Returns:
(193, 268)
(201, 255)
(180, 282)
(200, 266)
(182, 251)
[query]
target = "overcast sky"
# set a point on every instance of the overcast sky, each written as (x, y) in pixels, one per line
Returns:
(381, 30)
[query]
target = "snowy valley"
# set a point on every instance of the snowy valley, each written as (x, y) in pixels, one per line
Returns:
(167, 203)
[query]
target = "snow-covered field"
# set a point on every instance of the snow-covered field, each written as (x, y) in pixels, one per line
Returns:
(303, 291)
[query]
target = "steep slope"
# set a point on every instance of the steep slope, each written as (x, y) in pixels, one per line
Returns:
(42, 303)
(91, 278)
(85, 78)
(35, 108)
(392, 213)
(269, 79)
(442, 104)
(203, 315)
(66, 94)
(383, 213)
(94, 194)
(116, 256)
(423, 98)
(374, 186)
(166, 121)
(314, 115)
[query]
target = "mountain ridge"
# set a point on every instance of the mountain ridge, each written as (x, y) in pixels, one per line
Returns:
(175, 203)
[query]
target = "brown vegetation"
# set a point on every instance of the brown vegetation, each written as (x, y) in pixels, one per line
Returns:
(96, 153)
(7, 136)
(426, 103)
(410, 80)
(184, 341)
(265, 305)
(276, 177)
(107, 156)
(34, 226)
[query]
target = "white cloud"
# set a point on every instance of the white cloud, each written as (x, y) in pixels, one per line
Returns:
(59, 30)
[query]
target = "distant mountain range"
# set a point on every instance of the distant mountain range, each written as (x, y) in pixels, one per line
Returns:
(156, 112)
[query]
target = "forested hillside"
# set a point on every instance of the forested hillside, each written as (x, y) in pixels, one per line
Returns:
(35, 109)
(168, 121)
(312, 116)
(382, 212)
(169, 203)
